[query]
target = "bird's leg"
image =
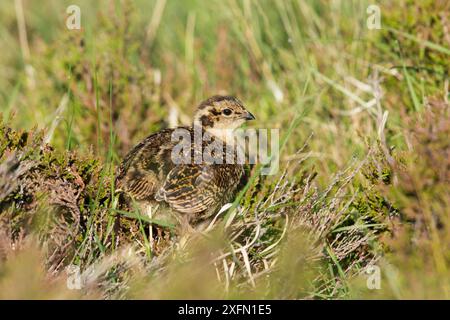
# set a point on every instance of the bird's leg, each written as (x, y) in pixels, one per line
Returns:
(160, 233)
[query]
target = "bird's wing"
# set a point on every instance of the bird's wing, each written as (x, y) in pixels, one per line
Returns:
(190, 188)
(144, 168)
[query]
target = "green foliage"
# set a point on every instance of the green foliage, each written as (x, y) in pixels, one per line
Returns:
(363, 170)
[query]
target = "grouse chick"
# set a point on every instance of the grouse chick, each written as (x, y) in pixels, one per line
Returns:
(151, 176)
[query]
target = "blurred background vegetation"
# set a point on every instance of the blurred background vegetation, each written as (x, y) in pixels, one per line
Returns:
(365, 161)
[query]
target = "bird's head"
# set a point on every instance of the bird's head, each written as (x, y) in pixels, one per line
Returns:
(221, 113)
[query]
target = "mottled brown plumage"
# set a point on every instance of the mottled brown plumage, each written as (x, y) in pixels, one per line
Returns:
(149, 176)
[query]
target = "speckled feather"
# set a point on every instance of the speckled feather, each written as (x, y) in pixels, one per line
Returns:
(148, 174)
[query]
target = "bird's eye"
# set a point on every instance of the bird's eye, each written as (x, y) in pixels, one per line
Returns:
(226, 112)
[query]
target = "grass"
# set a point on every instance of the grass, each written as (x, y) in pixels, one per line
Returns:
(363, 116)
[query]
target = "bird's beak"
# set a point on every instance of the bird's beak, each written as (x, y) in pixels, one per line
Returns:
(249, 116)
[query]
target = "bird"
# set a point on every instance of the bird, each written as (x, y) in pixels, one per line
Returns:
(192, 191)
